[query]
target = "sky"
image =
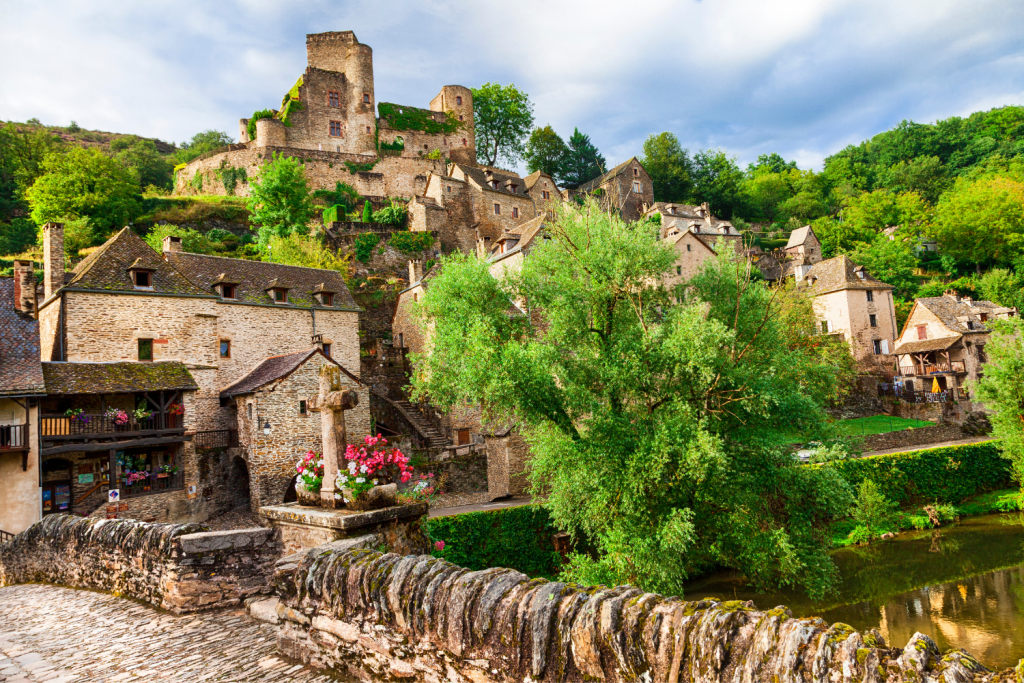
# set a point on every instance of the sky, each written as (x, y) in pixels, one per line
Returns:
(803, 78)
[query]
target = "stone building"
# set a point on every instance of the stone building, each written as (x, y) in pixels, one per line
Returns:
(626, 189)
(694, 233)
(801, 252)
(332, 122)
(941, 346)
(21, 388)
(140, 314)
(471, 207)
(849, 301)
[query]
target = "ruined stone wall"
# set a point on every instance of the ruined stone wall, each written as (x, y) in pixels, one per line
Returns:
(457, 228)
(381, 617)
(180, 568)
(405, 329)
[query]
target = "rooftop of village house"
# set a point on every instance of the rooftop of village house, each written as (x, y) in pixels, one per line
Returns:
(841, 273)
(277, 368)
(20, 370)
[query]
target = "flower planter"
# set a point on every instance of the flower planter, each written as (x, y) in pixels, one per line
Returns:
(162, 476)
(374, 499)
(307, 497)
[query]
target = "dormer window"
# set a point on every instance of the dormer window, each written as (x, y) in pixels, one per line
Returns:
(279, 295)
(227, 291)
(142, 279)
(984, 317)
(326, 298)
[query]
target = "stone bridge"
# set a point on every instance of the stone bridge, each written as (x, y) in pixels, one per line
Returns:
(366, 615)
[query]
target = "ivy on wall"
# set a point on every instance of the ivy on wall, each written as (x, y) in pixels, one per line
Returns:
(230, 176)
(411, 242)
(197, 182)
(364, 245)
(354, 168)
(412, 118)
(256, 116)
(519, 537)
(397, 146)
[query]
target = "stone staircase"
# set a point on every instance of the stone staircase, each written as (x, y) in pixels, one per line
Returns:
(433, 435)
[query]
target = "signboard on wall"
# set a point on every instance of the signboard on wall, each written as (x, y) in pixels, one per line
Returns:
(113, 495)
(85, 478)
(191, 490)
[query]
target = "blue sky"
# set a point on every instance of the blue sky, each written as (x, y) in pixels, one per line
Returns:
(800, 77)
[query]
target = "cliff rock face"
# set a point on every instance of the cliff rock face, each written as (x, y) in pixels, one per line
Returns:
(384, 617)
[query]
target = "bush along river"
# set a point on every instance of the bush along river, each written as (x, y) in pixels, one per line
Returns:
(962, 585)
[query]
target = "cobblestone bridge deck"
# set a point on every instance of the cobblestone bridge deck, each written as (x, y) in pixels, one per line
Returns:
(59, 635)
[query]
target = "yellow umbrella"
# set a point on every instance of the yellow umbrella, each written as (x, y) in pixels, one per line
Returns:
(935, 385)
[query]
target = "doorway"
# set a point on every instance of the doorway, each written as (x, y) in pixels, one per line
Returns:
(56, 489)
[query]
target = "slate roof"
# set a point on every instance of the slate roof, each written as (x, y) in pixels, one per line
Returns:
(948, 310)
(839, 273)
(254, 278)
(107, 268)
(523, 235)
(479, 177)
(600, 180)
(20, 370)
(532, 179)
(117, 378)
(799, 236)
(921, 345)
(275, 368)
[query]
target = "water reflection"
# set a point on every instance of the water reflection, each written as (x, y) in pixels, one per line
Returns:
(963, 586)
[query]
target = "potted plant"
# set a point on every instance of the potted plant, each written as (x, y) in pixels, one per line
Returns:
(369, 479)
(310, 478)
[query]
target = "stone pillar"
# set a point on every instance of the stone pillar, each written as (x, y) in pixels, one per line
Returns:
(172, 243)
(53, 258)
(415, 270)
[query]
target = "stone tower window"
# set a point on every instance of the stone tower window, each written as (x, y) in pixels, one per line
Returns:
(497, 209)
(333, 98)
(336, 129)
(368, 130)
(461, 117)
(145, 349)
(515, 212)
(366, 97)
(458, 100)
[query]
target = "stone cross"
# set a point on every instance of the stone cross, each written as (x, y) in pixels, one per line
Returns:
(331, 402)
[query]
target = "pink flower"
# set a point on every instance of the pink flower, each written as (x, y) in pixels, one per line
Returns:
(439, 545)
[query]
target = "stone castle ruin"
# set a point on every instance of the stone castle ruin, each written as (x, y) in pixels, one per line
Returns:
(331, 121)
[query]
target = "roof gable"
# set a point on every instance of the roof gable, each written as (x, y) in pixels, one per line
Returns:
(20, 369)
(277, 368)
(841, 273)
(600, 180)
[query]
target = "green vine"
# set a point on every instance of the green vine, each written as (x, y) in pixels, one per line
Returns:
(364, 245)
(230, 176)
(197, 182)
(412, 118)
(354, 168)
(338, 212)
(256, 116)
(397, 146)
(411, 242)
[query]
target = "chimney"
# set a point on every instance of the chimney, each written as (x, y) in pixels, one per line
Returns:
(172, 243)
(415, 270)
(318, 341)
(24, 288)
(53, 258)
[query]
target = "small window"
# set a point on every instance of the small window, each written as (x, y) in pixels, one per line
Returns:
(449, 188)
(458, 100)
(145, 349)
(877, 346)
(368, 130)
(873, 319)
(922, 331)
(366, 97)
(461, 117)
(545, 194)
(280, 296)
(515, 212)
(679, 270)
(248, 409)
(984, 317)
(333, 98)
(497, 209)
(463, 142)
(327, 299)
(415, 297)
(824, 327)
(401, 341)
(689, 247)
(142, 278)
(225, 348)
(637, 187)
(871, 295)
(636, 171)
(327, 350)
(227, 291)
(335, 129)
(302, 408)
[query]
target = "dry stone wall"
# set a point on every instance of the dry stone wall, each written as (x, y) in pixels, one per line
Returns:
(383, 617)
(178, 567)
(920, 436)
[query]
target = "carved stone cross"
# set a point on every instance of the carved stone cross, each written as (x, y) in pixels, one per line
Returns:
(331, 402)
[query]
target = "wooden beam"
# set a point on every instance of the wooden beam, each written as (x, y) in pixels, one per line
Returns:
(88, 447)
(108, 435)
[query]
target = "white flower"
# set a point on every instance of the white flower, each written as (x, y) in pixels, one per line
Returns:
(374, 482)
(319, 463)
(352, 467)
(360, 480)
(362, 469)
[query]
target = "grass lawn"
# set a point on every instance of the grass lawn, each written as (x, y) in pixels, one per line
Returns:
(878, 424)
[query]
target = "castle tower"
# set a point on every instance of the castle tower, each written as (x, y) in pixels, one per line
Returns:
(341, 52)
(459, 100)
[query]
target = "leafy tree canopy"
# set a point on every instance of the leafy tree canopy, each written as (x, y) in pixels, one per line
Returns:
(142, 156)
(1002, 392)
(582, 161)
(279, 200)
(773, 163)
(981, 221)
(545, 151)
(650, 421)
(503, 117)
(85, 183)
(669, 166)
(891, 261)
(22, 151)
(201, 143)
(718, 181)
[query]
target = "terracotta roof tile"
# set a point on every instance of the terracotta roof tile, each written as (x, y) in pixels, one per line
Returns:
(20, 369)
(116, 378)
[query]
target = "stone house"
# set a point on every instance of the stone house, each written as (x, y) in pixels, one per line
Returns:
(21, 388)
(329, 120)
(802, 251)
(941, 346)
(850, 301)
(694, 233)
(471, 207)
(133, 310)
(627, 189)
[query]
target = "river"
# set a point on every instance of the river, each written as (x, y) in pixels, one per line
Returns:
(963, 585)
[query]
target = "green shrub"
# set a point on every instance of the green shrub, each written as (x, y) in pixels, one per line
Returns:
(367, 212)
(519, 538)
(411, 242)
(873, 512)
(397, 146)
(354, 168)
(338, 212)
(412, 118)
(230, 176)
(364, 245)
(947, 475)
(393, 214)
(256, 116)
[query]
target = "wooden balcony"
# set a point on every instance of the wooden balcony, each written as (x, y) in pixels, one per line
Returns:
(956, 367)
(14, 438)
(100, 431)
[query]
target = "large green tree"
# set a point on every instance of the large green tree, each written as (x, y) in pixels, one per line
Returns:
(582, 161)
(891, 261)
(22, 150)
(545, 151)
(1002, 392)
(201, 143)
(142, 156)
(981, 221)
(85, 183)
(502, 118)
(669, 166)
(650, 422)
(718, 181)
(279, 201)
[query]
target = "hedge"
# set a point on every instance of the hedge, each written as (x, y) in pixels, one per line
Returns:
(945, 475)
(519, 537)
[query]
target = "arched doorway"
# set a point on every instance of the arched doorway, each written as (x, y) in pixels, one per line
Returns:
(238, 482)
(56, 489)
(289, 492)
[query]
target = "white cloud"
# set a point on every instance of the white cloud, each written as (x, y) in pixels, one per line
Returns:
(803, 77)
